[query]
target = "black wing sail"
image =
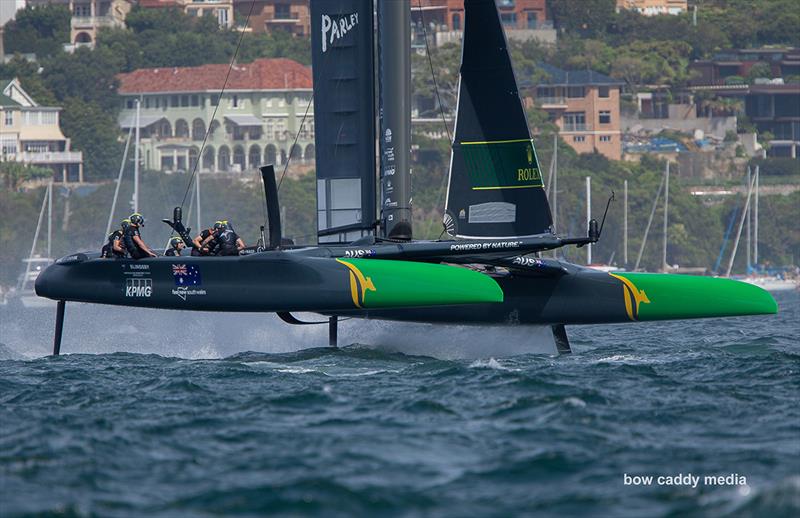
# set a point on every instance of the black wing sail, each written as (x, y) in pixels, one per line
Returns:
(495, 189)
(342, 34)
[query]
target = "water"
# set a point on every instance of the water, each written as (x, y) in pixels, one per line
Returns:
(367, 431)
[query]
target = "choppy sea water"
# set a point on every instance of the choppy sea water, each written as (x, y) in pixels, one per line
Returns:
(202, 430)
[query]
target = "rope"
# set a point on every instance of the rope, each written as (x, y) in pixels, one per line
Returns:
(433, 75)
(296, 136)
(219, 101)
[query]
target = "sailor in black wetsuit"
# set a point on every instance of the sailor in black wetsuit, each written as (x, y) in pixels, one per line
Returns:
(134, 244)
(176, 245)
(201, 241)
(226, 241)
(114, 247)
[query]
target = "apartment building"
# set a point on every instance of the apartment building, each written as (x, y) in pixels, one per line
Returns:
(292, 16)
(522, 19)
(256, 119)
(89, 16)
(584, 105)
(220, 10)
(653, 7)
(30, 134)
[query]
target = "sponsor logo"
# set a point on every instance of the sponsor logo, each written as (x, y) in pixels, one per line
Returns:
(184, 291)
(359, 284)
(633, 297)
(486, 245)
(336, 28)
(186, 275)
(528, 174)
(138, 287)
(359, 252)
(527, 261)
(139, 266)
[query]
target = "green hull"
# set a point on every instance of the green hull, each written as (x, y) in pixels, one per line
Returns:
(658, 296)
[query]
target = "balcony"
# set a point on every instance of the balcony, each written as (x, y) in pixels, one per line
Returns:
(575, 127)
(46, 157)
(552, 102)
(93, 22)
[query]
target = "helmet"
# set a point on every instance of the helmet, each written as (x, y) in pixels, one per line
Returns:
(137, 219)
(125, 223)
(218, 224)
(223, 226)
(175, 241)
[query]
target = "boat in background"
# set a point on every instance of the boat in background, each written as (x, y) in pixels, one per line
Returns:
(35, 264)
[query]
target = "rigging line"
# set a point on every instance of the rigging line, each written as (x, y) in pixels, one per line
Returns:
(219, 101)
(433, 75)
(296, 136)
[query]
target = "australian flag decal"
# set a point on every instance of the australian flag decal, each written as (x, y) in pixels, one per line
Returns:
(186, 275)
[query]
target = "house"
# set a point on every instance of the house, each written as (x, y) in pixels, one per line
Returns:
(89, 16)
(220, 10)
(653, 7)
(30, 134)
(583, 104)
(254, 122)
(771, 103)
(292, 16)
(522, 19)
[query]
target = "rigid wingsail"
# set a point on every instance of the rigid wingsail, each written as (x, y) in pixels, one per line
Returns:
(487, 272)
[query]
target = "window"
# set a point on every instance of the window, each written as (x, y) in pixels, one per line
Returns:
(533, 19)
(575, 121)
(283, 12)
(130, 104)
(235, 101)
(195, 100)
(579, 138)
(184, 101)
(147, 103)
(602, 91)
(174, 102)
(222, 17)
(8, 145)
(49, 118)
(574, 92)
(508, 18)
(82, 10)
(605, 117)
(9, 118)
(457, 21)
(605, 138)
(214, 100)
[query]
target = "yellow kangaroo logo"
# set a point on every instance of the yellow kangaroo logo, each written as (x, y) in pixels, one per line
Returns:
(633, 297)
(358, 279)
(530, 154)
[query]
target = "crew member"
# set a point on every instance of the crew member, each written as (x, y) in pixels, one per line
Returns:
(132, 238)
(114, 247)
(176, 246)
(203, 238)
(225, 241)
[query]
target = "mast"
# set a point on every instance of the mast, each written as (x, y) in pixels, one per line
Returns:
(748, 217)
(647, 228)
(555, 188)
(136, 160)
(666, 219)
(49, 218)
(119, 182)
(197, 197)
(755, 225)
(739, 232)
(394, 108)
(588, 216)
(625, 223)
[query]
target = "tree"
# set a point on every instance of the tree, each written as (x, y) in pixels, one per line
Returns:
(94, 131)
(14, 174)
(42, 30)
(28, 74)
(587, 17)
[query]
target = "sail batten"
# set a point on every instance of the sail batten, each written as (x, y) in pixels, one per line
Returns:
(493, 159)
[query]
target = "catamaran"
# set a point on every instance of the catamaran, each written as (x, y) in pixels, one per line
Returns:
(488, 271)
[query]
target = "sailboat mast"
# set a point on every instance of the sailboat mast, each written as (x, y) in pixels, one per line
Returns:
(394, 85)
(197, 197)
(136, 160)
(666, 219)
(588, 216)
(625, 223)
(739, 231)
(755, 225)
(748, 217)
(555, 188)
(49, 218)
